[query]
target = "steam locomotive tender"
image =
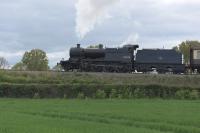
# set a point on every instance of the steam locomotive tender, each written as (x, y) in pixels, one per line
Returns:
(125, 59)
(160, 60)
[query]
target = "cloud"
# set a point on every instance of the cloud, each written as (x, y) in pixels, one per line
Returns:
(178, 2)
(9, 55)
(91, 12)
(36, 24)
(28, 24)
(53, 26)
(12, 57)
(56, 57)
(154, 20)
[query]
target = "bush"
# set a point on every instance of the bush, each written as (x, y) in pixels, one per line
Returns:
(127, 94)
(65, 96)
(139, 93)
(100, 94)
(81, 95)
(113, 93)
(182, 94)
(36, 96)
(82, 91)
(194, 95)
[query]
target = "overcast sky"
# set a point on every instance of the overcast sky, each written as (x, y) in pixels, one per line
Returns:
(56, 25)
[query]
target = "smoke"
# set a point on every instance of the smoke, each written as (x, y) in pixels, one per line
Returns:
(132, 39)
(91, 12)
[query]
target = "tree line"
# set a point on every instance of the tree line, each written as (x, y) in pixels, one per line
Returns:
(37, 60)
(34, 60)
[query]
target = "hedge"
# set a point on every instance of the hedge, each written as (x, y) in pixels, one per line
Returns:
(96, 91)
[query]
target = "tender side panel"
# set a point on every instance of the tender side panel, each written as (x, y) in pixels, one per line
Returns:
(158, 56)
(162, 60)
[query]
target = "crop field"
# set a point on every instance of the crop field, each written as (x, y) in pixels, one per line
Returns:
(99, 116)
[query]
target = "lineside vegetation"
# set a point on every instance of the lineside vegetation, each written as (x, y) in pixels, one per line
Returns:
(97, 85)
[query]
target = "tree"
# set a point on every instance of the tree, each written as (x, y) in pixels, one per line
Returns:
(3, 63)
(19, 66)
(35, 60)
(184, 48)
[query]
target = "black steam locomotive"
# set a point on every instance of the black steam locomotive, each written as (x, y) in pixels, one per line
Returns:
(125, 59)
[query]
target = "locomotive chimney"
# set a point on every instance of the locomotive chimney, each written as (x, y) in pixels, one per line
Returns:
(78, 45)
(100, 46)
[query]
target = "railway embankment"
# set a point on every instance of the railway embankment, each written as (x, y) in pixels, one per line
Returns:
(19, 84)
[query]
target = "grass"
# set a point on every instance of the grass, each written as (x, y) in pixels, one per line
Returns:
(191, 81)
(99, 116)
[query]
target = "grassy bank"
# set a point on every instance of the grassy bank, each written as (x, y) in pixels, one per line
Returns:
(191, 81)
(97, 116)
(97, 85)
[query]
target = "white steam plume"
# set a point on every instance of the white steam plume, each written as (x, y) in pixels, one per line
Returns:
(132, 39)
(91, 12)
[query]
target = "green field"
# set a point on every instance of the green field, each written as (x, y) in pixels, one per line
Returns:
(99, 116)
